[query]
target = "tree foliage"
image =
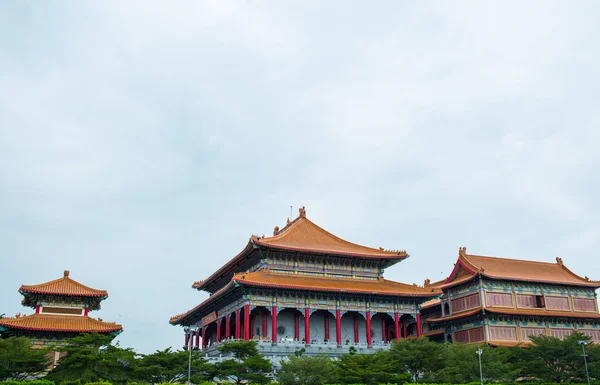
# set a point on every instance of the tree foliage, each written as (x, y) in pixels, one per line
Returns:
(92, 358)
(18, 360)
(303, 370)
(376, 368)
(247, 365)
(170, 366)
(461, 364)
(418, 356)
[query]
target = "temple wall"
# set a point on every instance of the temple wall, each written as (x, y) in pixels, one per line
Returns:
(322, 268)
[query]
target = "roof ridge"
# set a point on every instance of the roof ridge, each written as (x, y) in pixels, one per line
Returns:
(559, 262)
(39, 288)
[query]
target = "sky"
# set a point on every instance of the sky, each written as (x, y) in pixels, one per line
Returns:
(142, 143)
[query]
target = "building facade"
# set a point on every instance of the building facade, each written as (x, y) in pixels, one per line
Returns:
(62, 309)
(502, 301)
(305, 288)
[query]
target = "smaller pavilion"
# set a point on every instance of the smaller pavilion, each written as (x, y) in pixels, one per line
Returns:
(61, 311)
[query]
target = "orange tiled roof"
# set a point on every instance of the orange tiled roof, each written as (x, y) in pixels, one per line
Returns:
(60, 323)
(265, 278)
(63, 286)
(510, 344)
(180, 317)
(303, 235)
(462, 314)
(520, 270)
(430, 303)
(434, 333)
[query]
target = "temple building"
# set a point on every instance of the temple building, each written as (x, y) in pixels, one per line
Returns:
(502, 301)
(61, 312)
(305, 288)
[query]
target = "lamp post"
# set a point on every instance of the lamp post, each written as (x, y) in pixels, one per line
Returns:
(190, 330)
(479, 352)
(587, 374)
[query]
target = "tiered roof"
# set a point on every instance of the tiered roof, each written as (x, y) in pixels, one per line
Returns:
(541, 312)
(303, 235)
(59, 323)
(470, 266)
(63, 287)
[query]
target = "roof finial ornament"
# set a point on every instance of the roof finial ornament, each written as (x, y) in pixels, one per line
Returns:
(276, 230)
(288, 222)
(66, 273)
(462, 250)
(559, 261)
(302, 212)
(586, 278)
(427, 283)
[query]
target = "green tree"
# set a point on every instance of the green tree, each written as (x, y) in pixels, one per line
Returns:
(304, 370)
(553, 360)
(376, 368)
(92, 358)
(171, 366)
(462, 364)
(246, 364)
(18, 359)
(418, 356)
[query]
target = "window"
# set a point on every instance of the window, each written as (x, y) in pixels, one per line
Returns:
(499, 299)
(560, 333)
(558, 303)
(595, 334)
(526, 332)
(503, 333)
(584, 304)
(465, 303)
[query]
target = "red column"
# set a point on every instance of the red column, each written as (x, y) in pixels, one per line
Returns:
(326, 326)
(246, 322)
(264, 323)
(85, 312)
(237, 324)
(307, 326)
(274, 324)
(37, 310)
(187, 340)
(383, 330)
(227, 326)
(396, 326)
(369, 342)
(419, 326)
(404, 329)
(338, 327)
(218, 329)
(355, 329)
(204, 338)
(296, 326)
(198, 338)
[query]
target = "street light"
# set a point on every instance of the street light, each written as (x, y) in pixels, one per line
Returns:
(583, 343)
(192, 329)
(479, 352)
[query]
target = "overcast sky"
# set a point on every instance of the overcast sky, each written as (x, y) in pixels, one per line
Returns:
(142, 143)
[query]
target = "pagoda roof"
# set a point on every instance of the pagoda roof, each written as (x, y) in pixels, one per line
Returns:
(266, 278)
(269, 279)
(541, 312)
(59, 323)
(303, 235)
(64, 286)
(469, 266)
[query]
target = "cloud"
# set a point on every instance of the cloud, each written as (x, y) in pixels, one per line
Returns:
(141, 145)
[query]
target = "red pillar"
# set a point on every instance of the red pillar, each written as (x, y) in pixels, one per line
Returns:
(237, 324)
(227, 326)
(383, 330)
(355, 329)
(198, 338)
(85, 312)
(274, 324)
(326, 326)
(369, 342)
(204, 338)
(307, 325)
(396, 326)
(404, 329)
(187, 340)
(296, 326)
(419, 326)
(338, 327)
(37, 310)
(264, 324)
(246, 322)
(218, 329)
